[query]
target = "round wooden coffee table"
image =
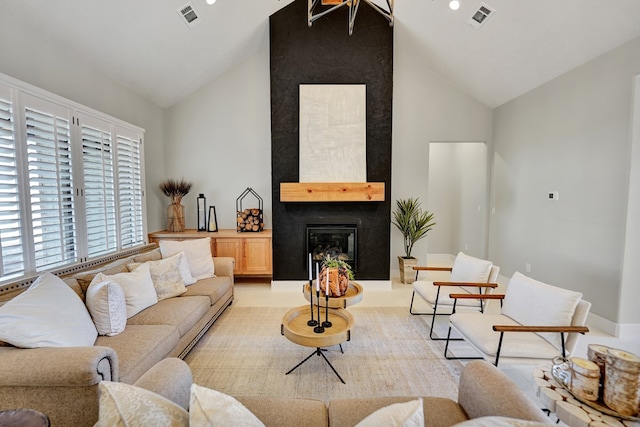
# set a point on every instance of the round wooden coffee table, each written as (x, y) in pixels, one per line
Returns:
(296, 329)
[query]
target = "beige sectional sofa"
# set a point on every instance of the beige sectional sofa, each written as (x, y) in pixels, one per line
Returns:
(63, 382)
(483, 391)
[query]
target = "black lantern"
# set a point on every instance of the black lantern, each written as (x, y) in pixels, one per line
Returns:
(202, 213)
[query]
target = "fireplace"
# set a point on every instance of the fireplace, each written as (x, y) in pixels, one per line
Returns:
(337, 240)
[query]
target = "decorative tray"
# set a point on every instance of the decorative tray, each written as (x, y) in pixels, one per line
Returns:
(597, 405)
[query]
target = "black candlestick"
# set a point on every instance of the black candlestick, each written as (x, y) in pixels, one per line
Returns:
(318, 329)
(326, 323)
(311, 322)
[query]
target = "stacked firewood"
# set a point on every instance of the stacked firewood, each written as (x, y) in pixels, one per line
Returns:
(250, 220)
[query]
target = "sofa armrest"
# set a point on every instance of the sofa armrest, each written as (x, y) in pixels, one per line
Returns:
(59, 367)
(484, 391)
(224, 266)
(170, 378)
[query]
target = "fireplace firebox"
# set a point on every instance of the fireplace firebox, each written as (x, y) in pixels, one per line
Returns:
(338, 240)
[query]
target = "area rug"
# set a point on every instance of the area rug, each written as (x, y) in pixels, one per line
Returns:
(389, 354)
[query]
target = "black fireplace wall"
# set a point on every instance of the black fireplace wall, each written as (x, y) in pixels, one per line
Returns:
(327, 54)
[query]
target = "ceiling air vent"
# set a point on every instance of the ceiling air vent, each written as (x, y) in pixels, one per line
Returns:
(189, 15)
(481, 16)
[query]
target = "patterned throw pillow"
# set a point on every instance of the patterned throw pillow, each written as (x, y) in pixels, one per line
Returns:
(407, 414)
(209, 407)
(127, 405)
(198, 255)
(166, 276)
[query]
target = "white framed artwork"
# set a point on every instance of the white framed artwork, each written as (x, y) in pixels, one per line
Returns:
(333, 146)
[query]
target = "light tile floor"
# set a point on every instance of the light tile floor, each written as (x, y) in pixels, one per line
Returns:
(258, 293)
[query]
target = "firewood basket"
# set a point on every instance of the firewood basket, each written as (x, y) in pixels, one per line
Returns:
(249, 219)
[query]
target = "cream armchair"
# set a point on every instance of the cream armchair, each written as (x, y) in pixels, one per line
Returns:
(469, 275)
(537, 322)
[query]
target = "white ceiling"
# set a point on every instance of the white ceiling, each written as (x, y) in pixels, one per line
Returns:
(145, 45)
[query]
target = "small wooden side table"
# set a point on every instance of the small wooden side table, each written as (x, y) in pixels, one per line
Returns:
(23, 418)
(556, 399)
(294, 327)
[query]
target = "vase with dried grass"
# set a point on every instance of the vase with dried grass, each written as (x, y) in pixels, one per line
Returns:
(175, 190)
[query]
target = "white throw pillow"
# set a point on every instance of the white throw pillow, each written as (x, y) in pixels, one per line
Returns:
(166, 276)
(139, 292)
(198, 253)
(127, 405)
(533, 303)
(407, 414)
(48, 314)
(108, 307)
(209, 407)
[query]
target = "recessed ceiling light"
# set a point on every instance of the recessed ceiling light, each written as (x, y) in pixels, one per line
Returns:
(211, 1)
(454, 4)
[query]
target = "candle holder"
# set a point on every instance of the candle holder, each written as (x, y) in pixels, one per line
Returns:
(318, 329)
(326, 322)
(311, 322)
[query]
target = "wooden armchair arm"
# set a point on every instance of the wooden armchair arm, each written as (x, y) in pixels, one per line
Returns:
(522, 328)
(477, 296)
(470, 284)
(419, 268)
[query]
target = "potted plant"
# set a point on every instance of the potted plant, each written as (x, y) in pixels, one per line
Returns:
(175, 190)
(414, 224)
(336, 273)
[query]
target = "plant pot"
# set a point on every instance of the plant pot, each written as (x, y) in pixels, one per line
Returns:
(407, 274)
(338, 281)
(175, 217)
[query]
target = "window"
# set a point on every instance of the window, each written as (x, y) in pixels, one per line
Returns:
(71, 183)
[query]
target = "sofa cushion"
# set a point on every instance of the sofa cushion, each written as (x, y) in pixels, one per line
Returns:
(108, 307)
(429, 293)
(198, 255)
(477, 329)
(137, 285)
(47, 314)
(139, 347)
(406, 414)
(495, 421)
(213, 287)
(182, 312)
(127, 405)
(533, 303)
(438, 411)
(279, 411)
(209, 407)
(470, 269)
(85, 278)
(166, 275)
(153, 255)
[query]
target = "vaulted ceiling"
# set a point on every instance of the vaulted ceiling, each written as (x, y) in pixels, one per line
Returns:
(146, 46)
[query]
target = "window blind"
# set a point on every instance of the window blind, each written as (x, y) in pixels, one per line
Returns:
(11, 248)
(50, 179)
(130, 189)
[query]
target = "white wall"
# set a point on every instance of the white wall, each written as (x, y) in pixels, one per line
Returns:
(458, 197)
(425, 108)
(34, 59)
(219, 139)
(570, 135)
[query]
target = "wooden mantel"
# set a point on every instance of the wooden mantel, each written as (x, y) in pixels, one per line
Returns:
(332, 191)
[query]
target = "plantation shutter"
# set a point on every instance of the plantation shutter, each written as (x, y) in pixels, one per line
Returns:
(130, 192)
(11, 247)
(51, 191)
(99, 186)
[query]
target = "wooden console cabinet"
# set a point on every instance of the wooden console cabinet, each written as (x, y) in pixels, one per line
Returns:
(252, 251)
